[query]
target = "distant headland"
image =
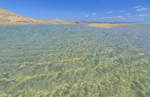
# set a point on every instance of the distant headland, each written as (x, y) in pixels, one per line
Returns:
(8, 17)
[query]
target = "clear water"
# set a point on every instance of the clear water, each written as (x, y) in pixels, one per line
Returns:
(74, 61)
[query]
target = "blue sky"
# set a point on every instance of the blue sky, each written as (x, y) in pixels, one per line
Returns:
(91, 10)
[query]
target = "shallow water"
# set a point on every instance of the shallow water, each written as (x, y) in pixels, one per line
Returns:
(74, 61)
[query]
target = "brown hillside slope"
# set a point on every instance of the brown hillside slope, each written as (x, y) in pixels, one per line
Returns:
(7, 17)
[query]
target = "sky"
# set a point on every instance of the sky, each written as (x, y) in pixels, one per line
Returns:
(82, 10)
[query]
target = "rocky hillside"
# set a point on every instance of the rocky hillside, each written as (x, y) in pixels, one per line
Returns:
(7, 17)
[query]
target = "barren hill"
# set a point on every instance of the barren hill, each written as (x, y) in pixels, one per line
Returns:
(7, 17)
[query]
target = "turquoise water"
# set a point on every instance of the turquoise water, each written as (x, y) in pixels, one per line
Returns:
(74, 61)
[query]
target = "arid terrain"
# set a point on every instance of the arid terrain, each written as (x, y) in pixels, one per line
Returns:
(105, 25)
(7, 17)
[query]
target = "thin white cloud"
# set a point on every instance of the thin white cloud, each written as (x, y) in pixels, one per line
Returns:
(140, 8)
(109, 12)
(115, 17)
(93, 14)
(120, 18)
(143, 15)
(122, 11)
(86, 16)
(128, 14)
